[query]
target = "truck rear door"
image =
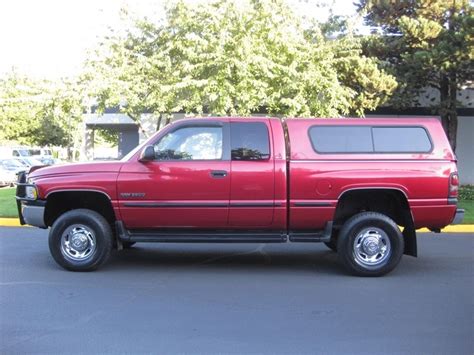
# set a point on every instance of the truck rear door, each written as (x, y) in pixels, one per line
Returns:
(252, 192)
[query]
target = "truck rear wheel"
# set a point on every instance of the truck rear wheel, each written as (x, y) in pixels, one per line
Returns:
(370, 244)
(80, 240)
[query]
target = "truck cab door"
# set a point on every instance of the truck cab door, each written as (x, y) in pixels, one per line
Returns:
(187, 185)
(252, 192)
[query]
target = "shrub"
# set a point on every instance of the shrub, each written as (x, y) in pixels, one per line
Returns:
(466, 192)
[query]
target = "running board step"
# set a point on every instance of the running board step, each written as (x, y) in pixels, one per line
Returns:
(312, 237)
(210, 236)
(170, 236)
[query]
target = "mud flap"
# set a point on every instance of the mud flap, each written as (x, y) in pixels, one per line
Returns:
(120, 234)
(409, 236)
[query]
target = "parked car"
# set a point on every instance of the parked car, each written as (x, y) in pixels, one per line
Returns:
(346, 182)
(28, 162)
(7, 177)
(12, 164)
(44, 155)
(9, 168)
(20, 152)
(12, 152)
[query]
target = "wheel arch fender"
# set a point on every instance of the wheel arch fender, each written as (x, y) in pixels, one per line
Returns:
(61, 201)
(389, 200)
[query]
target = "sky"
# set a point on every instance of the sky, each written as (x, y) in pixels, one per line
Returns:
(51, 38)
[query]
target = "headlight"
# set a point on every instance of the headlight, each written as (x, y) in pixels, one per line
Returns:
(31, 192)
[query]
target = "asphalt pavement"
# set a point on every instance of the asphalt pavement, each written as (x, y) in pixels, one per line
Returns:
(235, 298)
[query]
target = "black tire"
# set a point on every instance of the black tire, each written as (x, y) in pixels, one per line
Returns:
(92, 232)
(381, 236)
(128, 245)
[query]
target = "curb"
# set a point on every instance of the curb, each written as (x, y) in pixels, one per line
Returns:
(459, 228)
(10, 222)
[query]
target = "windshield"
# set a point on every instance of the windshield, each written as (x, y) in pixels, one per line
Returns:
(21, 153)
(33, 161)
(11, 164)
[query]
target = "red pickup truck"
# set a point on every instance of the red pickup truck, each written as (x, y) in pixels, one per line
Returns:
(362, 186)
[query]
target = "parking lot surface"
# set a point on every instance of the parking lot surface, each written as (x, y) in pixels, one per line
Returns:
(236, 298)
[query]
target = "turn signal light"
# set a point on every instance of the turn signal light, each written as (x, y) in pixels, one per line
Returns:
(31, 192)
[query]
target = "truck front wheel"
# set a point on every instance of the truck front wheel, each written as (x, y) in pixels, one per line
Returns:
(80, 240)
(370, 244)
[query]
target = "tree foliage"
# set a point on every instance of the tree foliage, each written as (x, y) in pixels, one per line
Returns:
(426, 44)
(235, 58)
(38, 112)
(224, 57)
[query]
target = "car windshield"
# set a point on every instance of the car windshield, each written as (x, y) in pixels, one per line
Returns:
(11, 164)
(24, 152)
(33, 161)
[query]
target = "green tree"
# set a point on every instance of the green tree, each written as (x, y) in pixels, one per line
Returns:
(19, 103)
(426, 44)
(234, 58)
(39, 112)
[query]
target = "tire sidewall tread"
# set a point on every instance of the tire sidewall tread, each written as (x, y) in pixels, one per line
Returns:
(350, 231)
(102, 232)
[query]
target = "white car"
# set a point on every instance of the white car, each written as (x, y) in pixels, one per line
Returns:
(45, 155)
(12, 164)
(28, 162)
(7, 177)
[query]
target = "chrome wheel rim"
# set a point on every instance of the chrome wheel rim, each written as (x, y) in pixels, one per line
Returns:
(78, 242)
(371, 247)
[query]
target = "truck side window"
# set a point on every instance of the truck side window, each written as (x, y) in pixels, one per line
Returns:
(401, 139)
(341, 139)
(249, 141)
(367, 139)
(191, 143)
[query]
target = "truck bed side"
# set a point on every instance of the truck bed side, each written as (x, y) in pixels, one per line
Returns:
(318, 182)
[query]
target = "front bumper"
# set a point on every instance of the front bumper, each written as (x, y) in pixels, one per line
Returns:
(29, 211)
(458, 217)
(33, 214)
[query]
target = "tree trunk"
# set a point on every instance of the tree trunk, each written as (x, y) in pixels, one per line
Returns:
(139, 124)
(449, 117)
(158, 123)
(453, 122)
(448, 97)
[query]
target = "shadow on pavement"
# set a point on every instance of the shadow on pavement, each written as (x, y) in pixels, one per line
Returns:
(255, 257)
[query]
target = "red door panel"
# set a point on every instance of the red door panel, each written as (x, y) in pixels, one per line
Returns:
(252, 191)
(252, 194)
(176, 194)
(188, 183)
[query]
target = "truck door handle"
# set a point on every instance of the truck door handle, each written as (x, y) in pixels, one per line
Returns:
(218, 174)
